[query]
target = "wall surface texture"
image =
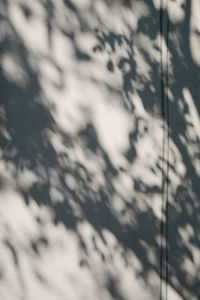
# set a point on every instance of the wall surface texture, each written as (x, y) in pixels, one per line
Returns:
(99, 149)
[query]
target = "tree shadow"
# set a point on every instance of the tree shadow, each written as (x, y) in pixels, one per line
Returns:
(77, 179)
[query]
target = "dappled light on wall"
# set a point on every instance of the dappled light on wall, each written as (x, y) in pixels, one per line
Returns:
(99, 150)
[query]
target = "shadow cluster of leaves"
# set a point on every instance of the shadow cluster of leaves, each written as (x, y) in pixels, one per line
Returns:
(26, 120)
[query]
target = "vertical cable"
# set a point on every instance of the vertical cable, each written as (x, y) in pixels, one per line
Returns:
(164, 73)
(168, 138)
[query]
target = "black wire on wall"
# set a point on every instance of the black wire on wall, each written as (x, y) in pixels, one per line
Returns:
(164, 75)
